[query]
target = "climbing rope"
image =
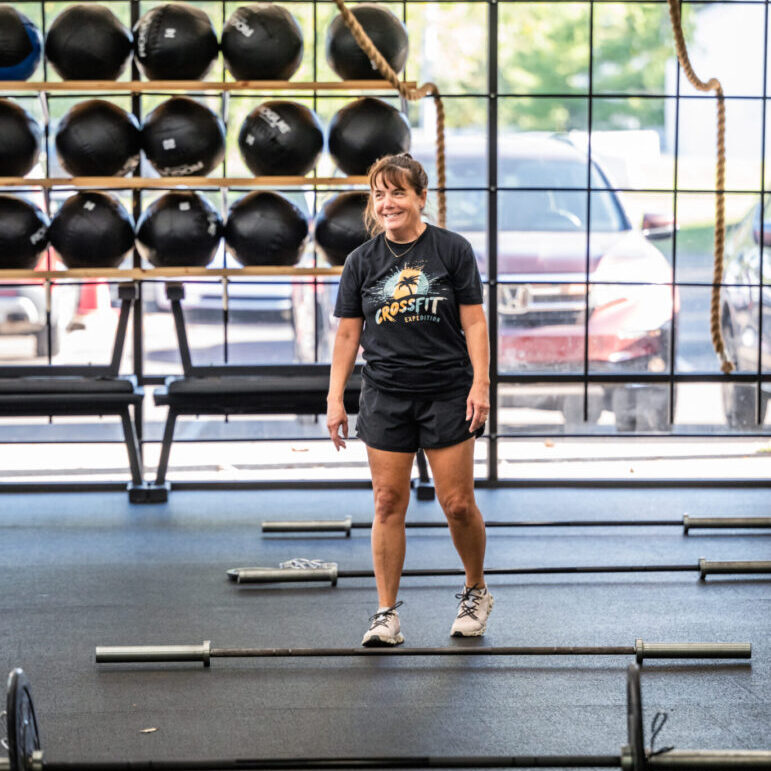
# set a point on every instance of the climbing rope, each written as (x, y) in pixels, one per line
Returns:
(713, 84)
(411, 94)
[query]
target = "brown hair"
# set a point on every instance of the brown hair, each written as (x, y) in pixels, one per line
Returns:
(400, 170)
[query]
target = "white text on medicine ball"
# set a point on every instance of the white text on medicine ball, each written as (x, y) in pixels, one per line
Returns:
(274, 120)
(242, 27)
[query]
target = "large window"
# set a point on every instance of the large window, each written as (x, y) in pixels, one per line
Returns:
(580, 166)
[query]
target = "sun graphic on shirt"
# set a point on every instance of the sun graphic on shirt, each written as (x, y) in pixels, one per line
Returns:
(406, 282)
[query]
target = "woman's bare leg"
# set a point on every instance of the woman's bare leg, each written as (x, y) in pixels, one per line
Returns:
(391, 473)
(453, 472)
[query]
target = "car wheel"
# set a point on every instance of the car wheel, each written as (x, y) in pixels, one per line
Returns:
(653, 408)
(624, 404)
(41, 341)
(738, 398)
(572, 409)
(739, 405)
(641, 408)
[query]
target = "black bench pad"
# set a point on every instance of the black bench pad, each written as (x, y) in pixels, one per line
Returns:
(65, 385)
(268, 394)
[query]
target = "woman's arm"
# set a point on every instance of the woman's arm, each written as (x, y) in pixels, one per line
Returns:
(474, 323)
(343, 358)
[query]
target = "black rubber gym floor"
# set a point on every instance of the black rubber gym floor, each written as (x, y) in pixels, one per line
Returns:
(84, 570)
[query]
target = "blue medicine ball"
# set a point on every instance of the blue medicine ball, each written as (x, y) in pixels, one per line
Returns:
(20, 45)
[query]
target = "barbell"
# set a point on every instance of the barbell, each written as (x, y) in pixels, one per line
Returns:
(317, 570)
(134, 654)
(25, 751)
(688, 523)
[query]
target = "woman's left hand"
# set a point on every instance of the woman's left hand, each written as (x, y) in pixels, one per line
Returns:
(478, 405)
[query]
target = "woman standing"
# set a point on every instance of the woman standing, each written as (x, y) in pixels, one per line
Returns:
(412, 297)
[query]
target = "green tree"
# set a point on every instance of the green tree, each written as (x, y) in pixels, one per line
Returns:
(544, 48)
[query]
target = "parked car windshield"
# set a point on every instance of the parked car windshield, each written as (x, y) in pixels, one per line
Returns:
(547, 208)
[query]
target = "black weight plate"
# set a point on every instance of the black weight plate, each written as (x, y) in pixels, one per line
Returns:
(634, 719)
(23, 736)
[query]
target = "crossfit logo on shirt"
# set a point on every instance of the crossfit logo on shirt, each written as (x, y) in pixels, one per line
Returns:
(406, 293)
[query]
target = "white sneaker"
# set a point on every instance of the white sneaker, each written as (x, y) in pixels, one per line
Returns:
(384, 629)
(473, 611)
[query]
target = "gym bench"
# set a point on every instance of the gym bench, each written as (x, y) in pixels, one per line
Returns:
(54, 390)
(298, 389)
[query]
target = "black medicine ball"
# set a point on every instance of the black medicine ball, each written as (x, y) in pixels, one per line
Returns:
(97, 138)
(265, 228)
(281, 137)
(175, 42)
(179, 229)
(262, 42)
(384, 29)
(340, 226)
(88, 42)
(20, 136)
(20, 45)
(364, 131)
(23, 233)
(182, 137)
(92, 230)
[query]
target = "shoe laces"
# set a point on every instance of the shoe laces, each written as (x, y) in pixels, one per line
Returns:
(382, 617)
(469, 601)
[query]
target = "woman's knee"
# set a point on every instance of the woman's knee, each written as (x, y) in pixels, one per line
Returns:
(459, 507)
(390, 504)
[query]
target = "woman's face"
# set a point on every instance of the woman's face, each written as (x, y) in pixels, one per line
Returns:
(398, 207)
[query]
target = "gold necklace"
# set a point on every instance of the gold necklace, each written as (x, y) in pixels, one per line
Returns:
(409, 248)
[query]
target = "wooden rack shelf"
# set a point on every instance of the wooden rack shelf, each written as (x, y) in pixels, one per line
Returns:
(196, 86)
(139, 183)
(134, 183)
(135, 274)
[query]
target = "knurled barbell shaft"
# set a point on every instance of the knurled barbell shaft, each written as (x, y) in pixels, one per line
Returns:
(688, 522)
(269, 575)
(321, 764)
(674, 760)
(133, 654)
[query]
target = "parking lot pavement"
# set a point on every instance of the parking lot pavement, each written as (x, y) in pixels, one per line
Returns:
(626, 458)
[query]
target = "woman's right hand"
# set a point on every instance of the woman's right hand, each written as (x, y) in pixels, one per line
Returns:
(337, 423)
(343, 358)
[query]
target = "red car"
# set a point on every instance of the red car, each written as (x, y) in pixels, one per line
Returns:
(545, 261)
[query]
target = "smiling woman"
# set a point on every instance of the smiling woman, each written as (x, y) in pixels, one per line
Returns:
(412, 297)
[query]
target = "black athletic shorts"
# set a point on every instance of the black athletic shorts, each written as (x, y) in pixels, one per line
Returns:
(402, 424)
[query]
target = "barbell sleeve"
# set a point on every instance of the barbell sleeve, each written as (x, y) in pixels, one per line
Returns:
(689, 650)
(709, 760)
(739, 567)
(120, 654)
(283, 575)
(712, 523)
(309, 526)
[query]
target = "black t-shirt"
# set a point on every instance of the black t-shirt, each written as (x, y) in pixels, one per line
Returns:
(412, 338)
